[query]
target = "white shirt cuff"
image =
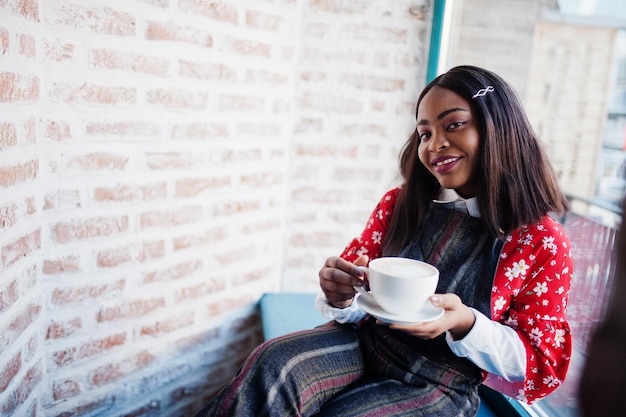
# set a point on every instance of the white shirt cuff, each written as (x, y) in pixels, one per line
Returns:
(493, 347)
(350, 314)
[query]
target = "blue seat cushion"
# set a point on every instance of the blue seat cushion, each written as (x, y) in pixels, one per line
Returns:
(283, 313)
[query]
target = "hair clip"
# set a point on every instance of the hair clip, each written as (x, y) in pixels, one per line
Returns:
(483, 91)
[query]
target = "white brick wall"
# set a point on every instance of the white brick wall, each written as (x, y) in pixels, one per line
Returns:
(165, 162)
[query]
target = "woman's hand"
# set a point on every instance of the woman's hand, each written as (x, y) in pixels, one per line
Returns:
(458, 319)
(338, 278)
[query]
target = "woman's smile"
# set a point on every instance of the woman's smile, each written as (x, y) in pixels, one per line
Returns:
(444, 163)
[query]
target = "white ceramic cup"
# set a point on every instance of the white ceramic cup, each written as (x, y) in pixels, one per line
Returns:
(399, 286)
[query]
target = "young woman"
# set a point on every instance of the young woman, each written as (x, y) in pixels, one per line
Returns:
(475, 202)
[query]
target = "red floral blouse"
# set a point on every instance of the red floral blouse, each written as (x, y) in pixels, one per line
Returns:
(529, 294)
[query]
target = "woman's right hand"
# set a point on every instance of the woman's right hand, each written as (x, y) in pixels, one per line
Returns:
(338, 278)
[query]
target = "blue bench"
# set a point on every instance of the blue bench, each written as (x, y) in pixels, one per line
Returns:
(283, 313)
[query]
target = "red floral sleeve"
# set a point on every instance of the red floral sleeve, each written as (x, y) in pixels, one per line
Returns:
(370, 241)
(530, 295)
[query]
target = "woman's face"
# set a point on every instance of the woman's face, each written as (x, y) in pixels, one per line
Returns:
(449, 140)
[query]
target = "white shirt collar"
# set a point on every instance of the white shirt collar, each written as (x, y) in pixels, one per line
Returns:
(449, 196)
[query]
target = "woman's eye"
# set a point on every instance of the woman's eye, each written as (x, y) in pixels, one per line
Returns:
(454, 125)
(423, 136)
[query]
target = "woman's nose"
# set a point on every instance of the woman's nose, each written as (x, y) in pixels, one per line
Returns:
(437, 143)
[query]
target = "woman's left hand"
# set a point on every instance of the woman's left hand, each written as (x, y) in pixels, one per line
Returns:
(458, 319)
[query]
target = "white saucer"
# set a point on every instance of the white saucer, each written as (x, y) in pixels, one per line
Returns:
(429, 313)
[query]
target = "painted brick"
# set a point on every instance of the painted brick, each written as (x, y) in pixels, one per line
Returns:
(93, 94)
(218, 10)
(29, 132)
(159, 31)
(339, 6)
(121, 60)
(139, 252)
(94, 405)
(232, 256)
(136, 308)
(226, 208)
(236, 156)
(356, 175)
(262, 226)
(203, 238)
(314, 56)
(185, 215)
(97, 20)
(330, 103)
(61, 329)
(200, 290)
(254, 275)
(247, 47)
(32, 347)
(207, 71)
(4, 40)
(8, 296)
(265, 21)
(322, 196)
(20, 248)
(61, 265)
(64, 389)
(56, 51)
(168, 325)
(9, 215)
(125, 193)
(174, 272)
(240, 103)
(27, 45)
(18, 88)
(69, 295)
(8, 135)
(9, 369)
(98, 161)
(373, 83)
(58, 130)
(29, 9)
(19, 173)
(202, 131)
(123, 129)
(223, 306)
(262, 179)
(327, 151)
(62, 199)
(317, 239)
(88, 228)
(268, 78)
(193, 186)
(175, 99)
(26, 316)
(110, 373)
(89, 349)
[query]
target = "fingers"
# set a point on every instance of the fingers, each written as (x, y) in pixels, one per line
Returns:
(338, 278)
(341, 272)
(362, 260)
(458, 319)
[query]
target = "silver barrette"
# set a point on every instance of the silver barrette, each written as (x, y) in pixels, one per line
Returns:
(483, 91)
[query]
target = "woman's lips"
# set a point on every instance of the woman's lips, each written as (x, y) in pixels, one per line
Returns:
(444, 163)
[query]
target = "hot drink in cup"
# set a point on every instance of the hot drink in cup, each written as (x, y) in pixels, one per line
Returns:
(400, 286)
